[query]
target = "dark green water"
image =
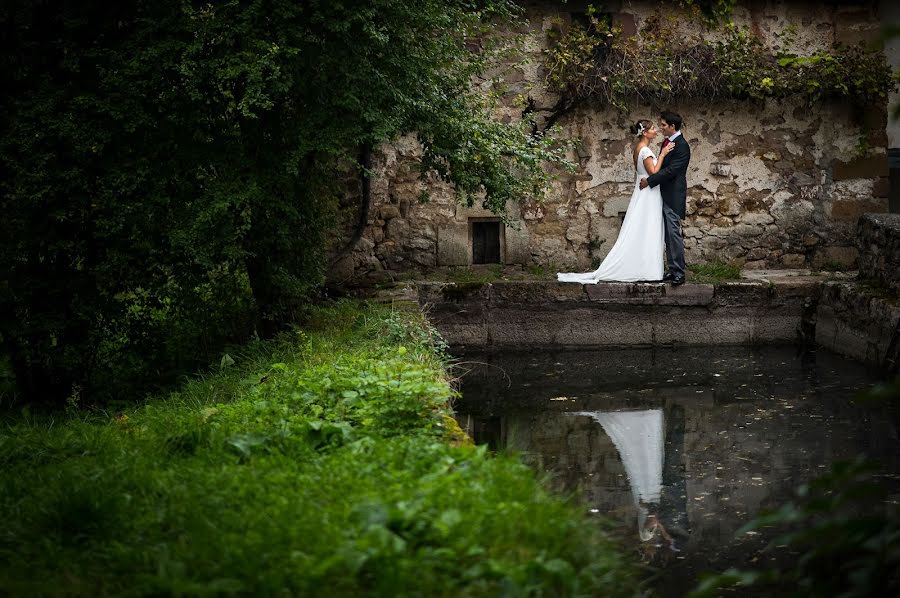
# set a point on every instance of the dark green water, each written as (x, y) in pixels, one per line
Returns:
(711, 436)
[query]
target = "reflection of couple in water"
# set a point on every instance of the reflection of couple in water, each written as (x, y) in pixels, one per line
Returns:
(652, 451)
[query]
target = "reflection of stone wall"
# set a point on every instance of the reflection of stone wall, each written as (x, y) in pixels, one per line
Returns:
(771, 184)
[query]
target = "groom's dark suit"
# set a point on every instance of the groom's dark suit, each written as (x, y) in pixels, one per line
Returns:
(672, 181)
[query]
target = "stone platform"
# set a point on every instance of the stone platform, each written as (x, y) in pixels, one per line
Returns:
(836, 311)
(519, 314)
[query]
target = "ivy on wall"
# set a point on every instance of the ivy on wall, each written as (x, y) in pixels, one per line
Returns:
(598, 61)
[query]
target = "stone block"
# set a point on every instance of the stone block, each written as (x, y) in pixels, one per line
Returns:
(866, 167)
(689, 294)
(844, 256)
(518, 245)
(453, 245)
(615, 205)
(729, 206)
(396, 229)
(855, 33)
(534, 212)
(463, 213)
(853, 322)
(535, 292)
(793, 260)
(625, 292)
(599, 327)
(748, 230)
(878, 236)
(849, 210)
(777, 324)
(720, 169)
(757, 218)
(461, 325)
(738, 294)
(690, 326)
(388, 212)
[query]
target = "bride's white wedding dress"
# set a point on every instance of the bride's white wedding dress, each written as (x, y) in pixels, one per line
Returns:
(638, 251)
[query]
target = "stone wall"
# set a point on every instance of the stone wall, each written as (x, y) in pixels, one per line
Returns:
(860, 323)
(879, 241)
(774, 184)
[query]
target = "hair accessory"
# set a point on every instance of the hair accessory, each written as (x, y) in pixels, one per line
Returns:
(640, 128)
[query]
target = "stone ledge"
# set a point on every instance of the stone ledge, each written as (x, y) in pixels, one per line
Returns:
(751, 292)
(521, 314)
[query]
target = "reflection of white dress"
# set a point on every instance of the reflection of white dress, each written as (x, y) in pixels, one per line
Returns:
(638, 251)
(639, 437)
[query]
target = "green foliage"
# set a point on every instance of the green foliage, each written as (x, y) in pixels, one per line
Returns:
(171, 166)
(598, 61)
(712, 11)
(321, 462)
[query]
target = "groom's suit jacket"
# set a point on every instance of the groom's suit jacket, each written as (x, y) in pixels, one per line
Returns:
(672, 178)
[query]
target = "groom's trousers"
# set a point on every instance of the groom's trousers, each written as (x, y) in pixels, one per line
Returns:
(674, 242)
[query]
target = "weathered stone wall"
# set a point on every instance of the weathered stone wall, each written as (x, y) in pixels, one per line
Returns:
(771, 184)
(879, 256)
(860, 323)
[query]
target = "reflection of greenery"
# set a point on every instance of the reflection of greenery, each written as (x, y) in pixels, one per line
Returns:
(712, 272)
(323, 462)
(844, 527)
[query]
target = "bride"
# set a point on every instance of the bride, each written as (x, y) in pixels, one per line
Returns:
(638, 252)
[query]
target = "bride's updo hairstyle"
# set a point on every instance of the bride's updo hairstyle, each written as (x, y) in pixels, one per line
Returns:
(640, 126)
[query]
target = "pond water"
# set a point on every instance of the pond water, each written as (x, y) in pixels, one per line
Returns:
(679, 447)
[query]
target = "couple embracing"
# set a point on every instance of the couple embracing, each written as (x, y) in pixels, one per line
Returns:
(654, 214)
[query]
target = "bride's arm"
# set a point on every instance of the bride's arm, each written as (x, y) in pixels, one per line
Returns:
(653, 167)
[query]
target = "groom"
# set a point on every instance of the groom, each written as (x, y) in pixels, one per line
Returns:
(672, 181)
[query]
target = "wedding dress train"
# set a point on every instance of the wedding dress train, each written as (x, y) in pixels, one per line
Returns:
(638, 251)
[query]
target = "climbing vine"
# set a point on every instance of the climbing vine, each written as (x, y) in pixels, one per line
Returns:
(599, 61)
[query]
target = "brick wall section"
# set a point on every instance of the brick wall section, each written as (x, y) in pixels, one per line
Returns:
(879, 249)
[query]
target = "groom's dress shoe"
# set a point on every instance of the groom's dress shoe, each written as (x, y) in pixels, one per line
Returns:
(678, 281)
(669, 277)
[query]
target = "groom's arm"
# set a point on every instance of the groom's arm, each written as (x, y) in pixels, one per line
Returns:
(679, 161)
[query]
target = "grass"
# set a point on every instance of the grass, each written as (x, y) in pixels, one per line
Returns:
(324, 463)
(713, 272)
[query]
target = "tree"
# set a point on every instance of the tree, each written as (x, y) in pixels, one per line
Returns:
(170, 165)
